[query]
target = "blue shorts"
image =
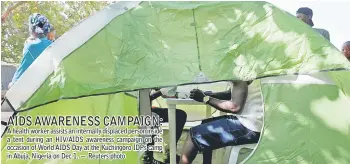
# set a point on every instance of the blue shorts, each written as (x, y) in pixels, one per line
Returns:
(218, 132)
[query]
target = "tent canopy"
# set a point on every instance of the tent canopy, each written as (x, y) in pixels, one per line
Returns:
(135, 45)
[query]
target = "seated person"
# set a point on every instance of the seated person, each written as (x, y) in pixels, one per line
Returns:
(228, 130)
(181, 118)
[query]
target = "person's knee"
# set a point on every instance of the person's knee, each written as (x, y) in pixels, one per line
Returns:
(189, 141)
(180, 114)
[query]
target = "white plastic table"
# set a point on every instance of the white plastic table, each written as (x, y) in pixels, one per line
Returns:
(172, 102)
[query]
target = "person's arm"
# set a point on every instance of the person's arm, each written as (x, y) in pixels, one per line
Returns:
(155, 95)
(52, 34)
(159, 93)
(238, 97)
(26, 60)
(225, 95)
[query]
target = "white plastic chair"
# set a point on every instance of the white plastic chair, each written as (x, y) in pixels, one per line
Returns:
(232, 152)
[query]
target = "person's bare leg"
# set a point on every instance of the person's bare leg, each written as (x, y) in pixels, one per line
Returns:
(189, 152)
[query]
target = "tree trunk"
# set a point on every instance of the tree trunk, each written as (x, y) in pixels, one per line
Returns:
(10, 9)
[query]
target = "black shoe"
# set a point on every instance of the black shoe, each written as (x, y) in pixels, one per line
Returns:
(157, 162)
(148, 158)
(151, 160)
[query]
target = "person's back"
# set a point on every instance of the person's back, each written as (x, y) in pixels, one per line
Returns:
(31, 51)
(251, 116)
(39, 27)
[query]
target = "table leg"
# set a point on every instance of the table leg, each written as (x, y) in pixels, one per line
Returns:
(208, 111)
(145, 110)
(172, 132)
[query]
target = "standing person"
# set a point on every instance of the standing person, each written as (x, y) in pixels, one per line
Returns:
(346, 50)
(181, 118)
(305, 14)
(37, 42)
(228, 130)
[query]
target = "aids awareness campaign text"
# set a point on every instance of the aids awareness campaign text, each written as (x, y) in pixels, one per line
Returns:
(81, 137)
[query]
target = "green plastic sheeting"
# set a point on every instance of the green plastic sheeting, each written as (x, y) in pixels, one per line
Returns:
(106, 105)
(311, 129)
(342, 79)
(158, 44)
(169, 43)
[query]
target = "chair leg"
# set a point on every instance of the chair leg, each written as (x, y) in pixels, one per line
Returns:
(234, 154)
(226, 157)
(233, 157)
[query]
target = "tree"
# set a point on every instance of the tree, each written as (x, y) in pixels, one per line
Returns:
(62, 14)
(9, 10)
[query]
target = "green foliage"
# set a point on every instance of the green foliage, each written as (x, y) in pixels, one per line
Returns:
(63, 15)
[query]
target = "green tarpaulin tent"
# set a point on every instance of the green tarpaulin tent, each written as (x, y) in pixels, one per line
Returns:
(137, 45)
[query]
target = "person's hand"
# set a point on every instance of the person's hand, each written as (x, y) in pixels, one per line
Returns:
(197, 95)
(51, 36)
(166, 96)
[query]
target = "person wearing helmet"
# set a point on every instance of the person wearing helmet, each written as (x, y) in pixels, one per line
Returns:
(39, 28)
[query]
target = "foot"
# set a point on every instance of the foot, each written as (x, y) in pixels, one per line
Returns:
(167, 161)
(148, 158)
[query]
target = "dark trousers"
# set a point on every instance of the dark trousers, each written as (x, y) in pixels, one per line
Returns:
(218, 132)
(181, 118)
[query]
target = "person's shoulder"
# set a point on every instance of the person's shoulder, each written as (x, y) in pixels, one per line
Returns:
(47, 42)
(31, 41)
(29, 44)
(39, 43)
(321, 30)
